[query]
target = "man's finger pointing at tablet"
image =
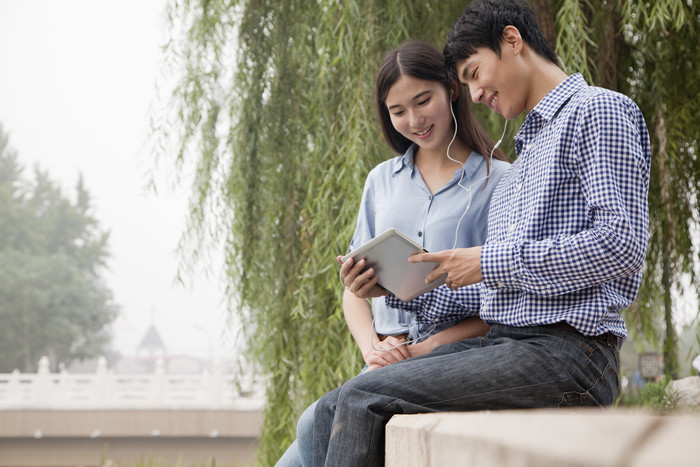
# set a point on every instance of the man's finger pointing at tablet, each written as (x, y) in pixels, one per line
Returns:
(424, 258)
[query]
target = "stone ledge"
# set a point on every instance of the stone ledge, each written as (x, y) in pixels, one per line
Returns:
(543, 438)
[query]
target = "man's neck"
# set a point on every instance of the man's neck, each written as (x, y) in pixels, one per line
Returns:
(545, 77)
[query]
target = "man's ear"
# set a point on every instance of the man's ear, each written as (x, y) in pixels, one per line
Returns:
(511, 39)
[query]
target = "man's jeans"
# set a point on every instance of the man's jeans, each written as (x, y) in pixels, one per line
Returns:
(510, 368)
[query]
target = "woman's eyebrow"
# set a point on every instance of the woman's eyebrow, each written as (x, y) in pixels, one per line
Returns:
(417, 96)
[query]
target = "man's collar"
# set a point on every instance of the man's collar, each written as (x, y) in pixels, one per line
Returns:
(548, 107)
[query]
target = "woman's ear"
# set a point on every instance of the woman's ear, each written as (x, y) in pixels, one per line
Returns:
(454, 91)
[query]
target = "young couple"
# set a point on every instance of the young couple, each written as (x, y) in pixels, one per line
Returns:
(567, 237)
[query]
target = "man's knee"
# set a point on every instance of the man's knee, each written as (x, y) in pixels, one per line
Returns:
(326, 404)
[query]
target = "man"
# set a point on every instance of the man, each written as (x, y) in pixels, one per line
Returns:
(567, 238)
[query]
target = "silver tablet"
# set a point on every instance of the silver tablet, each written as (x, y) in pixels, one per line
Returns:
(388, 254)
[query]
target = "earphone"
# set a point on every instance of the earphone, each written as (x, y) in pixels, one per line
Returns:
(454, 246)
(371, 329)
(469, 188)
(469, 203)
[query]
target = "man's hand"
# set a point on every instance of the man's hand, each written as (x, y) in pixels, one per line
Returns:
(462, 265)
(362, 284)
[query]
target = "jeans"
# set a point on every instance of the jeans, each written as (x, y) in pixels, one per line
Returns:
(300, 452)
(509, 368)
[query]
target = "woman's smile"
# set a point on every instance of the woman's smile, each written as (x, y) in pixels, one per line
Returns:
(424, 134)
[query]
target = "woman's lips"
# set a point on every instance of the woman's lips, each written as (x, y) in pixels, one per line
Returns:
(426, 133)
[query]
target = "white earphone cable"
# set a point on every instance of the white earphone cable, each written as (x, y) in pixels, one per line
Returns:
(469, 188)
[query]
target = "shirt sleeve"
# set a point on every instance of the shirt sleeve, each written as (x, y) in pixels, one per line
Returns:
(365, 226)
(611, 153)
(442, 304)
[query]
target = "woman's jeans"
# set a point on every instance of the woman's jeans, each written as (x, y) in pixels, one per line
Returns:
(509, 368)
(300, 452)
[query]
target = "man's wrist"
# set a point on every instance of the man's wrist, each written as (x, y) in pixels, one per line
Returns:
(496, 265)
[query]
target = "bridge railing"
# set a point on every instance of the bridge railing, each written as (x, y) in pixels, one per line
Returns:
(107, 390)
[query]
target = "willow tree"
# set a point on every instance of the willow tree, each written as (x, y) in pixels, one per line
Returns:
(648, 50)
(666, 84)
(273, 126)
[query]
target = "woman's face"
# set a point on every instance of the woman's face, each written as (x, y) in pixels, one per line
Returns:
(420, 111)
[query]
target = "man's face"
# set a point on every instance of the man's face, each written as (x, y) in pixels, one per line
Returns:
(497, 83)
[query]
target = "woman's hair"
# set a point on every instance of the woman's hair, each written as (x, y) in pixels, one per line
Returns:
(424, 61)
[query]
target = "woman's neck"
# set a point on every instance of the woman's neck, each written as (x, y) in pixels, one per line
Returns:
(436, 168)
(437, 158)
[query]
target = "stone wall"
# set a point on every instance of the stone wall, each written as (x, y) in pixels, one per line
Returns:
(129, 437)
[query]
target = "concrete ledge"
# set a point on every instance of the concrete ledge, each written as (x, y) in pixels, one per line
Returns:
(543, 438)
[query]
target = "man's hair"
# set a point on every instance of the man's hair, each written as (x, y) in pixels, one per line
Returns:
(482, 24)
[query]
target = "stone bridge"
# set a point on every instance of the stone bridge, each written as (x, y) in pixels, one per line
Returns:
(61, 419)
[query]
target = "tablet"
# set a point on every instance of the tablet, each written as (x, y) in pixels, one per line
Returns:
(388, 254)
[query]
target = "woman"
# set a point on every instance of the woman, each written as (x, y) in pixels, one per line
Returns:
(437, 193)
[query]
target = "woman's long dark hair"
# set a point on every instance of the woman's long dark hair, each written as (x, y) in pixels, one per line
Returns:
(424, 61)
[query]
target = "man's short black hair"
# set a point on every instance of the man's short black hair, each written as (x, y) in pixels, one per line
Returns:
(482, 24)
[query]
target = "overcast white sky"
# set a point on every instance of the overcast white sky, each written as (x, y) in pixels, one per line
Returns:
(76, 81)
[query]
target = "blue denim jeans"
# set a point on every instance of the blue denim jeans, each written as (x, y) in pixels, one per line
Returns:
(300, 452)
(509, 368)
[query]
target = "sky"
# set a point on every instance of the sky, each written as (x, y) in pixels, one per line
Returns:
(77, 79)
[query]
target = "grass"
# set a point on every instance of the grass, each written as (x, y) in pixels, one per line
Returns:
(659, 397)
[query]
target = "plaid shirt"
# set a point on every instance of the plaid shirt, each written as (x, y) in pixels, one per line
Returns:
(568, 224)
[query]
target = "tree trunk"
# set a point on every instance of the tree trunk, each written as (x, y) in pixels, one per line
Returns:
(668, 226)
(545, 19)
(670, 354)
(608, 63)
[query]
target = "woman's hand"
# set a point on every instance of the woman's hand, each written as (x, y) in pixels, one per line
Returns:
(391, 350)
(462, 265)
(362, 284)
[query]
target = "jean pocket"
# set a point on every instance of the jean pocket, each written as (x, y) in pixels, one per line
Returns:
(594, 375)
(578, 399)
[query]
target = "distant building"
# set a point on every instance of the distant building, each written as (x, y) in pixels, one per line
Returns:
(150, 350)
(151, 344)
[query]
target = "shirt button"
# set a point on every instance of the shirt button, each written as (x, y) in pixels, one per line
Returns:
(420, 234)
(501, 284)
(528, 146)
(511, 227)
(430, 196)
(520, 186)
